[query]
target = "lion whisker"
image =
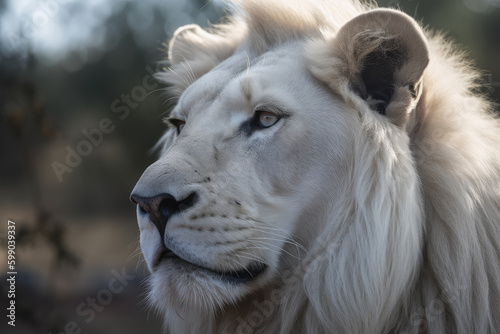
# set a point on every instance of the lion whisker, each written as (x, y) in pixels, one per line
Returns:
(191, 76)
(279, 229)
(279, 240)
(248, 256)
(289, 240)
(267, 245)
(184, 83)
(257, 258)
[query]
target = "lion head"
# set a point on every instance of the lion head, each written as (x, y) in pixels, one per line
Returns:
(294, 181)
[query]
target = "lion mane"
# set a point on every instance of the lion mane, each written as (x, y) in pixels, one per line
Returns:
(417, 247)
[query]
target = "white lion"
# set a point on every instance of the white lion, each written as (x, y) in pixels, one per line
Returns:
(328, 169)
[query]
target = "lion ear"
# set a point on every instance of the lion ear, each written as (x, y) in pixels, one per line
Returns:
(380, 56)
(193, 51)
(192, 43)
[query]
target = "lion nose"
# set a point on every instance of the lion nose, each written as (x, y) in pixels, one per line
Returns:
(161, 207)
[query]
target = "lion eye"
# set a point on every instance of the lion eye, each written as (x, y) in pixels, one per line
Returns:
(267, 119)
(179, 124)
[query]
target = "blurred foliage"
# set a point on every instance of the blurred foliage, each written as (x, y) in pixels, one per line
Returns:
(29, 126)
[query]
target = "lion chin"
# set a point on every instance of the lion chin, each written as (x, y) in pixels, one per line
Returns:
(326, 169)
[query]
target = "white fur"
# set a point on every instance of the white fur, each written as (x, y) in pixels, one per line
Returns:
(369, 223)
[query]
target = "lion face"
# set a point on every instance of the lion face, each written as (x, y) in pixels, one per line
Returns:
(295, 191)
(257, 148)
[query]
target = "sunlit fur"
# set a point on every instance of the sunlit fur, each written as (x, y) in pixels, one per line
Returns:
(402, 235)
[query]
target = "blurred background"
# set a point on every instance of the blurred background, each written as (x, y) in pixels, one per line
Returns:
(79, 113)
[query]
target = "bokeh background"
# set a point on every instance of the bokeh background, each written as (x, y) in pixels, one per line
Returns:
(66, 67)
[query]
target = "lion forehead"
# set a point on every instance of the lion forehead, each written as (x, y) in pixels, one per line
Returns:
(245, 80)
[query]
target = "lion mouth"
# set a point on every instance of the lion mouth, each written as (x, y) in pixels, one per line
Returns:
(239, 276)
